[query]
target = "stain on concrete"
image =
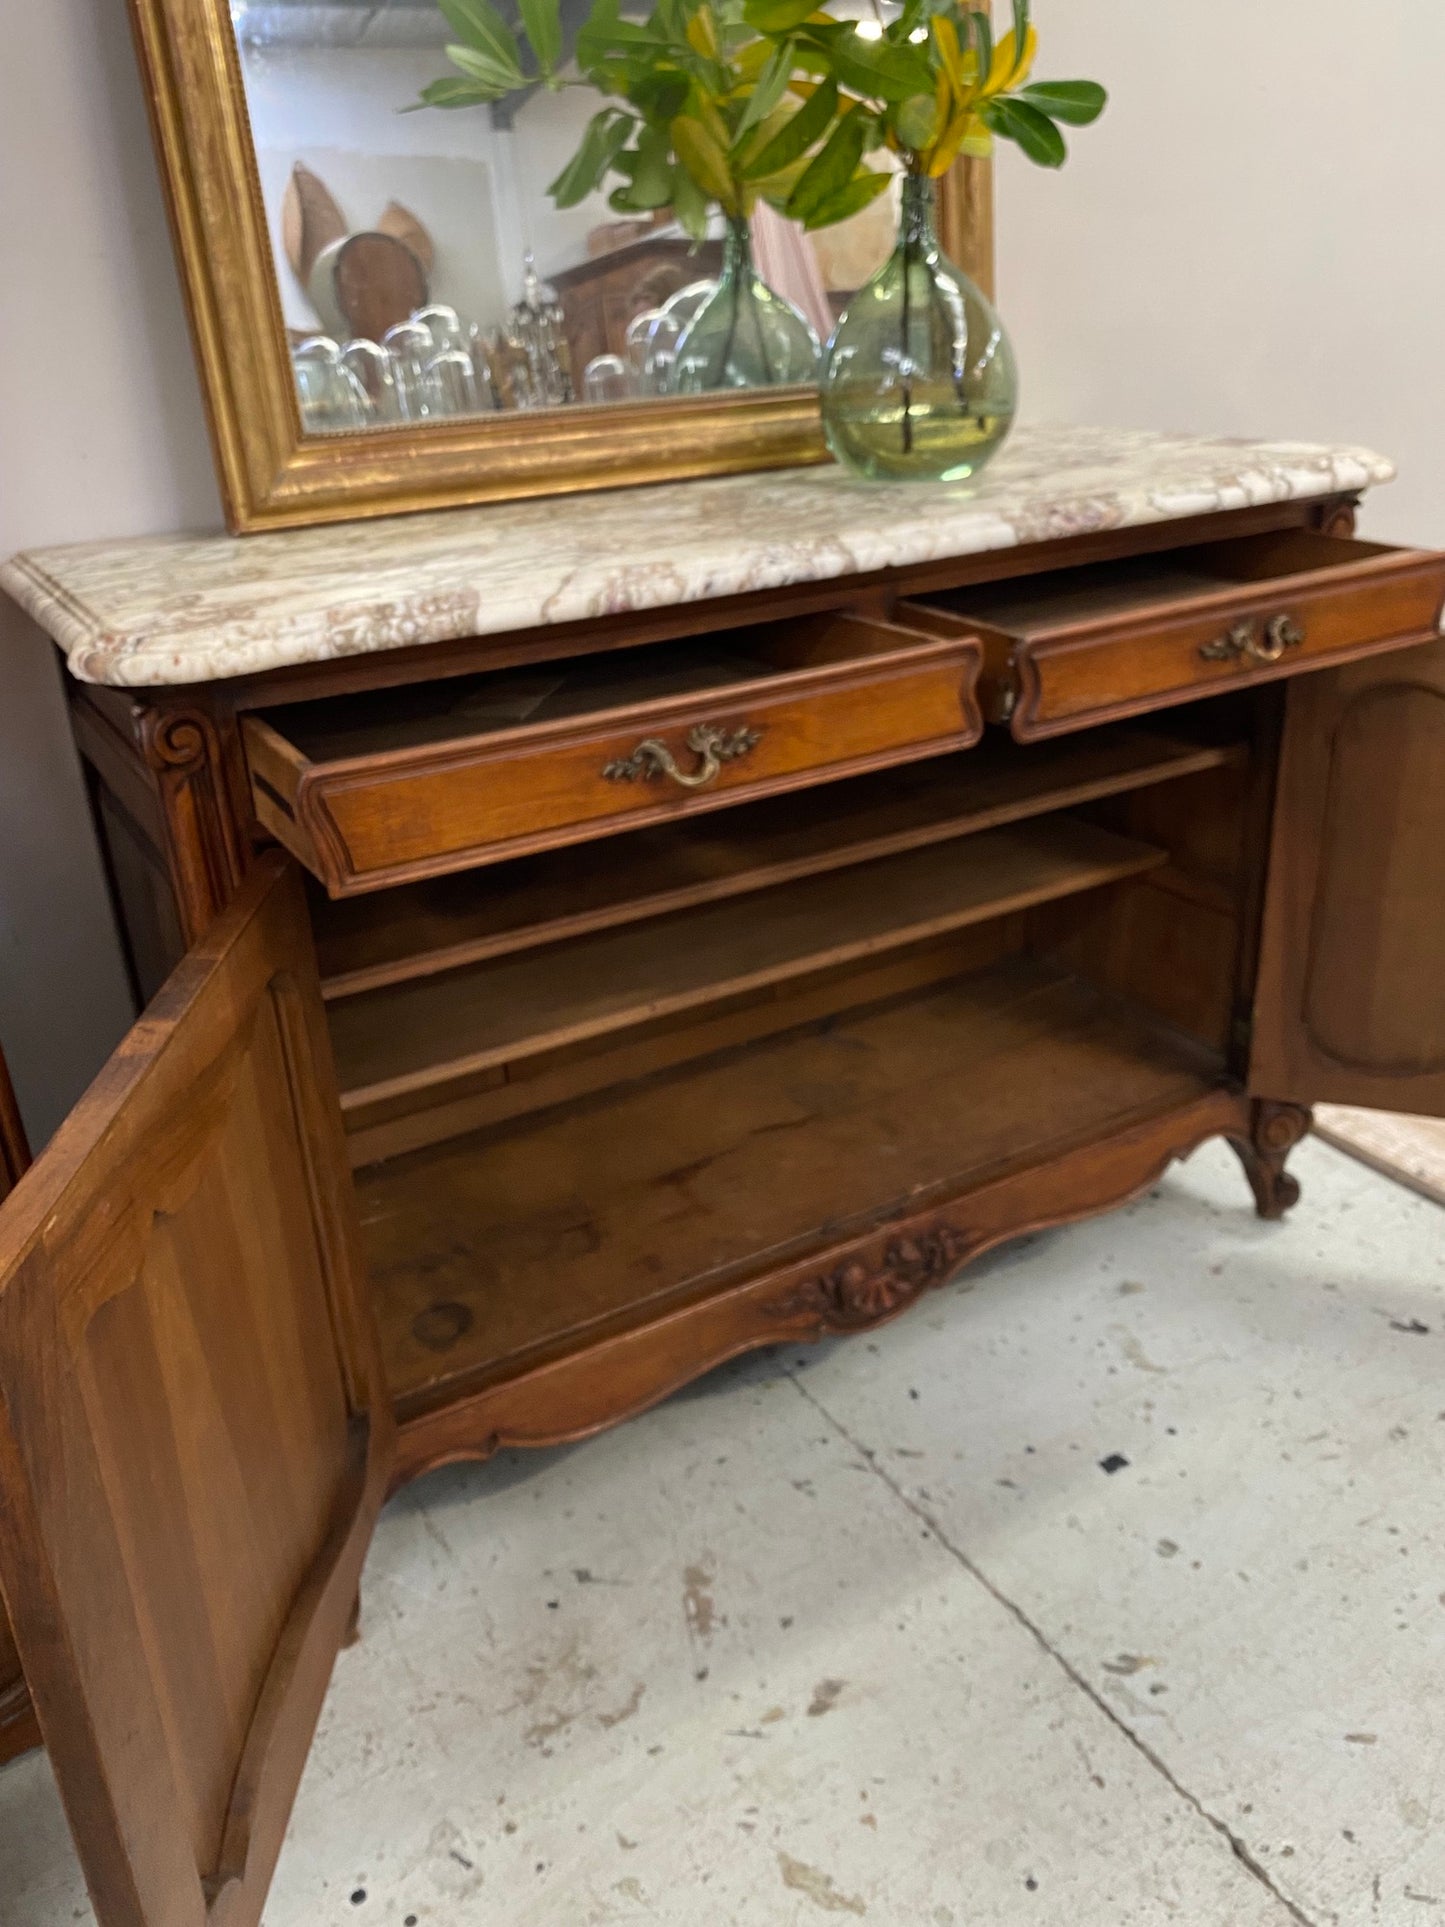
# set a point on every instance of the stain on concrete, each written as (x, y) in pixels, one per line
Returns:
(558, 1687)
(818, 1886)
(697, 1602)
(623, 1712)
(825, 1697)
(1134, 1351)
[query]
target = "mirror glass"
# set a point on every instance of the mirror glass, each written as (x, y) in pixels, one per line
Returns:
(424, 270)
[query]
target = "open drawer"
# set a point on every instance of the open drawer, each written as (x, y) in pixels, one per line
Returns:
(1081, 646)
(396, 785)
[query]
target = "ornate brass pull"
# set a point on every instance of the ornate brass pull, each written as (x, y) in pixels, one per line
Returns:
(1281, 634)
(652, 758)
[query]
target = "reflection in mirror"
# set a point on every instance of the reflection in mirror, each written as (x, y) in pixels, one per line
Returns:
(424, 270)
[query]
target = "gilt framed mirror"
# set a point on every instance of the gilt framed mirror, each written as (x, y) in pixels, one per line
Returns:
(390, 311)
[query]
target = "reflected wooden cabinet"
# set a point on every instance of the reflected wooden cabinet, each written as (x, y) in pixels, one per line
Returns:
(564, 1013)
(600, 296)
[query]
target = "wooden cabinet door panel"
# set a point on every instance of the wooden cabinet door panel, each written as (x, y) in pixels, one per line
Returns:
(1350, 1004)
(195, 1436)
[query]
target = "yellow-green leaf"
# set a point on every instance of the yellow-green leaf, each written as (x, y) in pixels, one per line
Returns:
(705, 160)
(702, 33)
(962, 78)
(1012, 64)
(952, 144)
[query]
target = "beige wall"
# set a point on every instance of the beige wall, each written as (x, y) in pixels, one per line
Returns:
(1253, 241)
(101, 434)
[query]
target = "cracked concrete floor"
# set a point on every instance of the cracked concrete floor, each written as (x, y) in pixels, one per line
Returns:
(869, 1631)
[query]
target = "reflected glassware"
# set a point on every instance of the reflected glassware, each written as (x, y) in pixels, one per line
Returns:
(451, 384)
(331, 399)
(537, 330)
(482, 350)
(638, 338)
(681, 306)
(443, 324)
(662, 340)
(411, 349)
(920, 382)
(372, 367)
(607, 378)
(745, 335)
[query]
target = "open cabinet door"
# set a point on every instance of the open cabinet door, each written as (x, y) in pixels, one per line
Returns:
(195, 1435)
(1350, 1000)
(18, 1731)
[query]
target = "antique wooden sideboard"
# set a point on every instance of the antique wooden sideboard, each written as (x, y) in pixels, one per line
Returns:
(601, 936)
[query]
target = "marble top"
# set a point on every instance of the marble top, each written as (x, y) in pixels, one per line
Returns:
(185, 609)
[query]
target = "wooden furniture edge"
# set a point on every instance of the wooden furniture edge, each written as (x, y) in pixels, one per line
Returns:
(850, 1286)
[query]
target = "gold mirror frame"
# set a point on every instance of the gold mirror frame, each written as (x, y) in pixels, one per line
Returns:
(273, 476)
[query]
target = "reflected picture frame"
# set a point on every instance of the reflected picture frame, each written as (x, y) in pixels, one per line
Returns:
(274, 475)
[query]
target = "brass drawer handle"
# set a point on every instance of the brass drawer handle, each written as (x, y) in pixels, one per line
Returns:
(652, 758)
(1281, 634)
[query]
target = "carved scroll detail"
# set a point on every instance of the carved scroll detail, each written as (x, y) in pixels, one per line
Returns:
(1339, 520)
(1275, 1130)
(863, 1290)
(187, 755)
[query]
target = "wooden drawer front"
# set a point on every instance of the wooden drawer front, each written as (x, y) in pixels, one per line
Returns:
(829, 699)
(1082, 646)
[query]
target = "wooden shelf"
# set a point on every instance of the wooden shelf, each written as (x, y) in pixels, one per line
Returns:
(405, 1041)
(425, 929)
(487, 1251)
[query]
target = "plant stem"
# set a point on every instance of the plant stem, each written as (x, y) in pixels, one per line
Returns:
(907, 316)
(940, 308)
(727, 347)
(761, 332)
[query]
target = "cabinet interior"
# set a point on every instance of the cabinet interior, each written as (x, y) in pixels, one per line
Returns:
(584, 1086)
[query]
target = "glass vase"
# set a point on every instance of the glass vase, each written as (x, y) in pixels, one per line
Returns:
(919, 383)
(745, 335)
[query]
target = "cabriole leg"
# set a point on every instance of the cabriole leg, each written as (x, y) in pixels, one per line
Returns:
(1275, 1129)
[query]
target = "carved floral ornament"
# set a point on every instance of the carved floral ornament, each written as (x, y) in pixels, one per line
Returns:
(864, 1289)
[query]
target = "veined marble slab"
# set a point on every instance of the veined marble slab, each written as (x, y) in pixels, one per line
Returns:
(183, 609)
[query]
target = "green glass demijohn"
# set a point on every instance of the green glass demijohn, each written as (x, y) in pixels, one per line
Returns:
(919, 383)
(745, 335)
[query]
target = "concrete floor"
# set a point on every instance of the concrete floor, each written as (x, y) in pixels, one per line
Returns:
(871, 1631)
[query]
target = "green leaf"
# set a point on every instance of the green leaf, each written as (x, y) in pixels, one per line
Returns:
(913, 121)
(671, 18)
(768, 89)
(876, 69)
(1076, 101)
(659, 95)
(648, 168)
(495, 74)
(809, 124)
(542, 20)
(478, 25)
(605, 34)
(453, 93)
(689, 204)
(850, 199)
(981, 27)
(832, 167)
(605, 136)
(1034, 132)
(778, 16)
